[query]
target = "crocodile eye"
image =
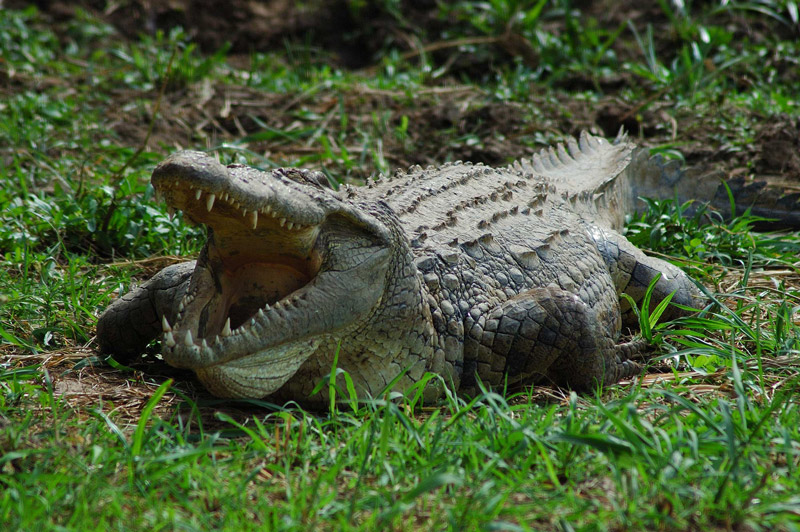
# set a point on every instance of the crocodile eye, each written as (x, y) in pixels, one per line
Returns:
(303, 176)
(318, 178)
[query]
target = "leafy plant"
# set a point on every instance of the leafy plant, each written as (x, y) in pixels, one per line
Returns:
(699, 233)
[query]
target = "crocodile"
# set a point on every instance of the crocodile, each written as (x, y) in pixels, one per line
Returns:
(495, 277)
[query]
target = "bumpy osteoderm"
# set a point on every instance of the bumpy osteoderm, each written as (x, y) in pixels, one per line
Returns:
(508, 275)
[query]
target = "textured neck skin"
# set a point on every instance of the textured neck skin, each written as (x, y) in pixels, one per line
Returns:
(508, 275)
(396, 335)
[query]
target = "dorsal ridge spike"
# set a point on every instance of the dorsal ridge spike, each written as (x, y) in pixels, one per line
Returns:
(536, 163)
(551, 154)
(574, 149)
(585, 143)
(563, 156)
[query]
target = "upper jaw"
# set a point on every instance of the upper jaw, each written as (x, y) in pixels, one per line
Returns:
(204, 189)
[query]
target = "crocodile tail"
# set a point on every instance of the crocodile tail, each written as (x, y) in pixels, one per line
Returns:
(604, 180)
(658, 178)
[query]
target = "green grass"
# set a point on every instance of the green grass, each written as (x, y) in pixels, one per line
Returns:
(641, 459)
(713, 444)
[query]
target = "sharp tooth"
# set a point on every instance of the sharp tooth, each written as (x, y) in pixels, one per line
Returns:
(283, 222)
(273, 214)
(204, 344)
(181, 306)
(244, 212)
(226, 331)
(210, 201)
(260, 314)
(165, 324)
(252, 322)
(290, 225)
(254, 219)
(217, 340)
(267, 209)
(187, 341)
(169, 340)
(198, 194)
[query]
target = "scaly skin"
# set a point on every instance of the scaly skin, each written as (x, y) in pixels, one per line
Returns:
(509, 275)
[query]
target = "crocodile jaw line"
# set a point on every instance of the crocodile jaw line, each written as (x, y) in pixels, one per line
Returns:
(261, 294)
(255, 269)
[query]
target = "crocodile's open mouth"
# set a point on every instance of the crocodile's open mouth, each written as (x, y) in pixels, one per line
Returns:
(255, 261)
(287, 267)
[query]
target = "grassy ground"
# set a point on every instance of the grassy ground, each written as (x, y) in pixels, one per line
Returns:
(709, 439)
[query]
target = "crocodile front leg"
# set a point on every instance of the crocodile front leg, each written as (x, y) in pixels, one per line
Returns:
(545, 333)
(134, 320)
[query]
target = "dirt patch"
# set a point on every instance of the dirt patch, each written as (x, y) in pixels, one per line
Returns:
(436, 126)
(202, 115)
(346, 34)
(637, 120)
(778, 150)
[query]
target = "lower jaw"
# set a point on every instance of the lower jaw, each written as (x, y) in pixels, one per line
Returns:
(259, 374)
